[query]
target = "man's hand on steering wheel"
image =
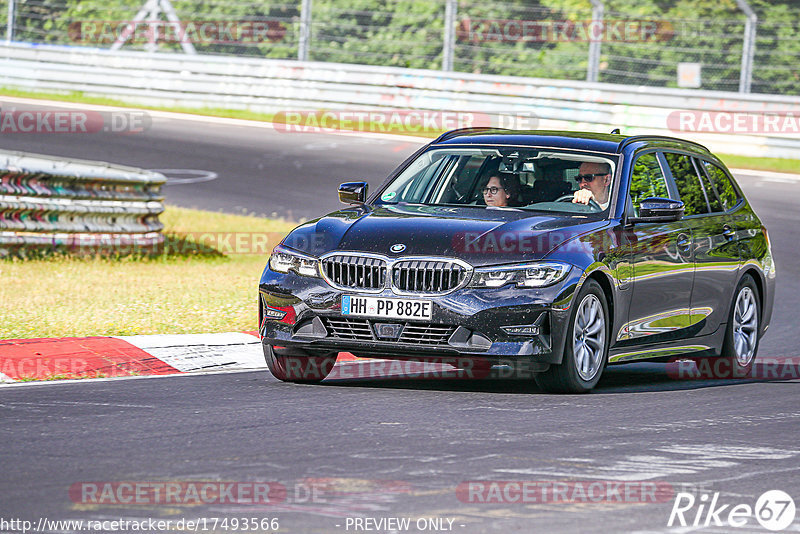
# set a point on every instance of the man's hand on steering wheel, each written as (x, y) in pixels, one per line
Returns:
(581, 196)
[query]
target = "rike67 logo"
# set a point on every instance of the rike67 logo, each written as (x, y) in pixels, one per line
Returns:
(774, 510)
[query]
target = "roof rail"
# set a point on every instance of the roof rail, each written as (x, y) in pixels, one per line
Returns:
(634, 138)
(459, 131)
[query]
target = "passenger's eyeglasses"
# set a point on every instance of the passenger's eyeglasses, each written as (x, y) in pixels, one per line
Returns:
(588, 177)
(492, 190)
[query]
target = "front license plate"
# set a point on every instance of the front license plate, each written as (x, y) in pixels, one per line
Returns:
(390, 308)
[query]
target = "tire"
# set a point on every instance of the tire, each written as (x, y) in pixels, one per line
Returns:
(740, 345)
(589, 338)
(297, 366)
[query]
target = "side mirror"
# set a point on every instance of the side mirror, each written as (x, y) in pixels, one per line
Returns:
(353, 192)
(656, 209)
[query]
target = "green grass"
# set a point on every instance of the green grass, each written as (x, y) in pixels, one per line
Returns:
(60, 377)
(761, 164)
(186, 289)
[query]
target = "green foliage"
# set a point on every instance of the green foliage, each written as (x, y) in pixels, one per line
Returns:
(722, 186)
(284, 16)
(777, 50)
(688, 183)
(96, 23)
(409, 33)
(400, 33)
(3, 17)
(647, 181)
(496, 38)
(709, 33)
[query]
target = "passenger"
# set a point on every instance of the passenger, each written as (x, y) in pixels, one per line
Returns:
(594, 180)
(501, 190)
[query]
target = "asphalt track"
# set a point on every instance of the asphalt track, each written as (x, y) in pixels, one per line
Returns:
(393, 446)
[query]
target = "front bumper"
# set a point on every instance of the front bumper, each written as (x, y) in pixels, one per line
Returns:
(467, 323)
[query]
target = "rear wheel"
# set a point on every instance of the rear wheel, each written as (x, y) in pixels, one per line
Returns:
(297, 366)
(741, 335)
(586, 349)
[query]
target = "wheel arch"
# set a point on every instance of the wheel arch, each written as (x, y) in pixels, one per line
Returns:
(554, 379)
(604, 281)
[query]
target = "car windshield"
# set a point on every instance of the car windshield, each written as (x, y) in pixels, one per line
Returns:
(505, 178)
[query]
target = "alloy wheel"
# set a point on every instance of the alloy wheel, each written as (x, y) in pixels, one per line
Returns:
(745, 326)
(589, 337)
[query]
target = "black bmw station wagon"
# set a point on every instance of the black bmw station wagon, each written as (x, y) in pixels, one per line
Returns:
(564, 252)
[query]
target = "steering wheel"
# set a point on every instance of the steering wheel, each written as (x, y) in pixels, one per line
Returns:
(592, 202)
(460, 197)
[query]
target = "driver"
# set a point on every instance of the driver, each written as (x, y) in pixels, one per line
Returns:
(594, 180)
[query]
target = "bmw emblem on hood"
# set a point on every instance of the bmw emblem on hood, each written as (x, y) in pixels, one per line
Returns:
(397, 248)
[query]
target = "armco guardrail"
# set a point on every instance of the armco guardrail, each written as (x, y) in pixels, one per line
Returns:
(279, 85)
(77, 205)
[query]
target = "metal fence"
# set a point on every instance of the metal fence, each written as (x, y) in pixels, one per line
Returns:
(707, 44)
(288, 86)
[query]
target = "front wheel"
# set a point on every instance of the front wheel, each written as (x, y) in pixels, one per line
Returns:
(291, 367)
(586, 349)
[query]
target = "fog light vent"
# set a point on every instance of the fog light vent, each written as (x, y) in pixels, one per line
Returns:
(521, 330)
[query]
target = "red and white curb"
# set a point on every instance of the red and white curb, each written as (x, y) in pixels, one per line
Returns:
(106, 357)
(202, 352)
(54, 359)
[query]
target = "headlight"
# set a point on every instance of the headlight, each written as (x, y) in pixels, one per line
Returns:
(540, 274)
(284, 260)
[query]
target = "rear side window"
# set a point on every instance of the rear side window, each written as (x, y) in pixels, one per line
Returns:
(690, 188)
(711, 193)
(723, 185)
(647, 181)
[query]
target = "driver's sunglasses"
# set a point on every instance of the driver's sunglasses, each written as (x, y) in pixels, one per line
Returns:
(493, 190)
(588, 177)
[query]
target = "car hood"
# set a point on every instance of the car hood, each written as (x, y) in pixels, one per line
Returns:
(479, 236)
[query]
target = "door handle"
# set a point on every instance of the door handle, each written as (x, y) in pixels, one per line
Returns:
(684, 242)
(728, 232)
